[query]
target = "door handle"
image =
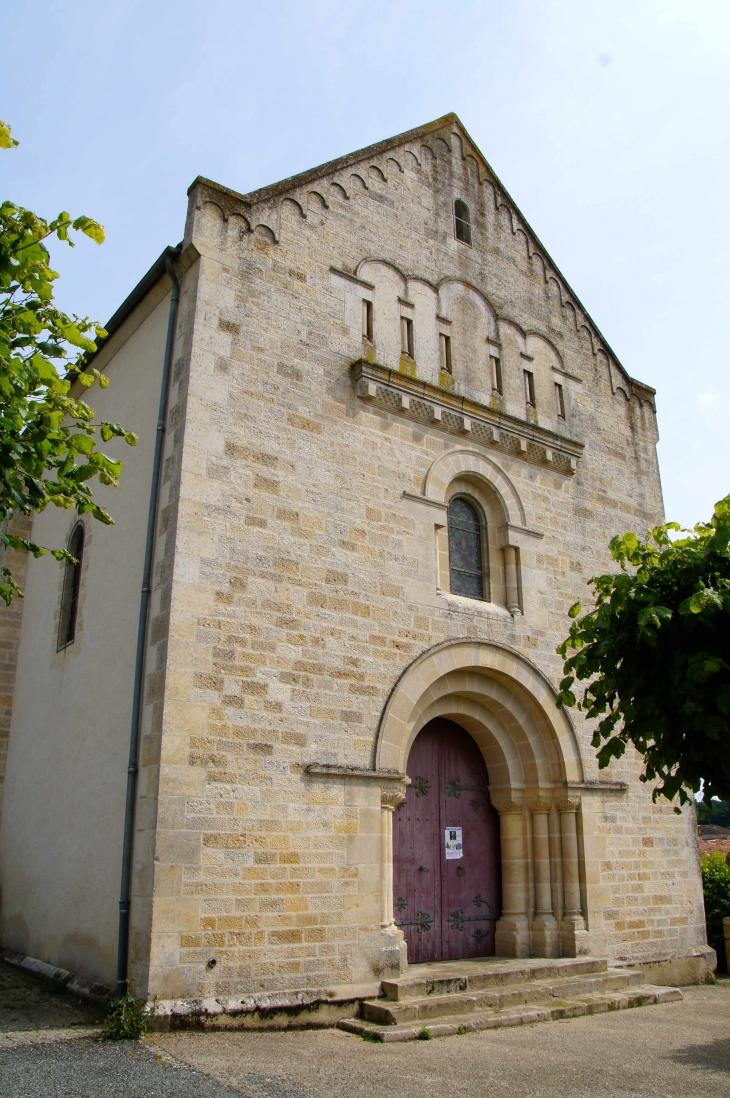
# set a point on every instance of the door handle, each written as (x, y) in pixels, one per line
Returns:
(423, 869)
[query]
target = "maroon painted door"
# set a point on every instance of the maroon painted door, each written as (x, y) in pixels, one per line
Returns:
(446, 859)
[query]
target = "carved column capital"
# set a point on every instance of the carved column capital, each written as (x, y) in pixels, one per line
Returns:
(539, 804)
(391, 796)
(567, 804)
(506, 805)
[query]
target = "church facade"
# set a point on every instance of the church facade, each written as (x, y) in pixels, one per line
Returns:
(396, 450)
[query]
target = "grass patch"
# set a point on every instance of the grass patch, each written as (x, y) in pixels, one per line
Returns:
(425, 1034)
(373, 1038)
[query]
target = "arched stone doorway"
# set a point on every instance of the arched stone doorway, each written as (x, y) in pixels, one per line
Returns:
(446, 854)
(531, 752)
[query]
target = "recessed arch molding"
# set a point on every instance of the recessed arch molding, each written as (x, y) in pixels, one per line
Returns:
(507, 705)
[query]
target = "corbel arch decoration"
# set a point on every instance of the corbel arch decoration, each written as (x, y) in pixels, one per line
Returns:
(451, 288)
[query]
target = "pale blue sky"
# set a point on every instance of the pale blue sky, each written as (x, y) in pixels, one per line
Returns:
(607, 120)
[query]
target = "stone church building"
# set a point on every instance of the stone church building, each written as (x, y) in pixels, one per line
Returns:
(396, 449)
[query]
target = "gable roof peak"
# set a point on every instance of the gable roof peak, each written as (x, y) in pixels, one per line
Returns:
(380, 147)
(269, 197)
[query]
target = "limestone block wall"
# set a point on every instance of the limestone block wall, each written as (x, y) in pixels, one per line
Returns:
(304, 581)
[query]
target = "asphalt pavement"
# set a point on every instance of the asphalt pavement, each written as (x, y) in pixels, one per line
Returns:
(50, 1048)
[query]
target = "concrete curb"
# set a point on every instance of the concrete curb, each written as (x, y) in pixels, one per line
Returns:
(76, 985)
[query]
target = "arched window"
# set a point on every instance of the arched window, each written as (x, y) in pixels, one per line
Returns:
(71, 584)
(462, 222)
(466, 558)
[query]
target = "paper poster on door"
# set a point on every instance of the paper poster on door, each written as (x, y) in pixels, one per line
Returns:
(452, 837)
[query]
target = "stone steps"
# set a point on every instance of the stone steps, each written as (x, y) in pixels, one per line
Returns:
(450, 977)
(462, 997)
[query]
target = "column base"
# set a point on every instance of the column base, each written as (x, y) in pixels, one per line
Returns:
(544, 936)
(574, 938)
(393, 951)
(512, 936)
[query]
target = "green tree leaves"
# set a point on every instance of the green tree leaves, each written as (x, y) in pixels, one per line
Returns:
(6, 141)
(48, 450)
(715, 870)
(655, 652)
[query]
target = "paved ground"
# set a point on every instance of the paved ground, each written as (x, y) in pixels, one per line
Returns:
(50, 1048)
(678, 1050)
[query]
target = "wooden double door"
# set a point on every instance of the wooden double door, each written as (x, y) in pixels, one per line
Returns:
(446, 855)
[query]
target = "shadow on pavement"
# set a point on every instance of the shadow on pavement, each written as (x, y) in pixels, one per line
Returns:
(713, 1056)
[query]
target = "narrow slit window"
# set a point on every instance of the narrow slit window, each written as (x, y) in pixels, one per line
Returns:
(462, 222)
(529, 388)
(466, 559)
(496, 374)
(406, 336)
(445, 349)
(71, 585)
(367, 320)
(560, 400)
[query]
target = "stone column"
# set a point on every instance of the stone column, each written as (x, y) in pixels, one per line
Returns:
(393, 948)
(510, 579)
(573, 936)
(544, 926)
(512, 933)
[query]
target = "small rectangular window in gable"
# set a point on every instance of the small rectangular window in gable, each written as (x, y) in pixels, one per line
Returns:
(367, 320)
(496, 367)
(529, 387)
(406, 336)
(560, 400)
(462, 222)
(445, 349)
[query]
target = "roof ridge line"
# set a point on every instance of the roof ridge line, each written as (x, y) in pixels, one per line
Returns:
(292, 181)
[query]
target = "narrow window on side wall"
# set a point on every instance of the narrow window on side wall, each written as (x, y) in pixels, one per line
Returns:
(445, 350)
(71, 585)
(560, 400)
(367, 320)
(468, 575)
(462, 222)
(496, 366)
(529, 388)
(406, 336)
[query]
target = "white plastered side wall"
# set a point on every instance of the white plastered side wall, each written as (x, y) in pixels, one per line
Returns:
(61, 834)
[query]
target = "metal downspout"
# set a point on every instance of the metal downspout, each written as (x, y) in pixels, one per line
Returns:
(125, 898)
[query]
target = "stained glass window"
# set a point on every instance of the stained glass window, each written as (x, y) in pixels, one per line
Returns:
(465, 549)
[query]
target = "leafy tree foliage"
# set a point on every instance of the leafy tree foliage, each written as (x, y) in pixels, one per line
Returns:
(717, 812)
(656, 651)
(715, 869)
(48, 452)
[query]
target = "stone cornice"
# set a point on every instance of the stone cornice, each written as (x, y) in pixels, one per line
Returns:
(598, 787)
(325, 770)
(458, 415)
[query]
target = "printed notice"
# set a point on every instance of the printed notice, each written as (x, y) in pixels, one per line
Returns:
(452, 837)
